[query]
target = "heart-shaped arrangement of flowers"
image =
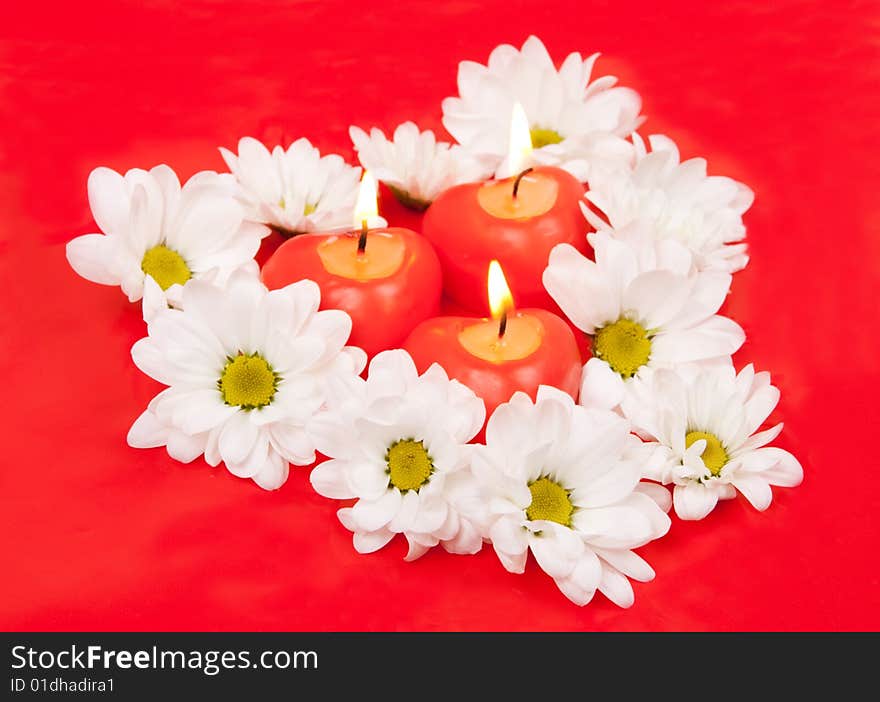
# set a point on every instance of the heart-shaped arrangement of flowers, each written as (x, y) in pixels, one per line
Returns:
(454, 434)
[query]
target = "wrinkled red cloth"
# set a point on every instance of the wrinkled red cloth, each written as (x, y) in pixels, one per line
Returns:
(99, 536)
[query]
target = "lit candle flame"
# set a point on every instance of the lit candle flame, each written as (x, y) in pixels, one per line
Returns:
(500, 299)
(520, 150)
(367, 207)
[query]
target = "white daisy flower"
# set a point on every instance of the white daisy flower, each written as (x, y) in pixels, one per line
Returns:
(708, 419)
(569, 115)
(644, 307)
(414, 165)
(155, 229)
(563, 482)
(296, 190)
(246, 370)
(400, 448)
(679, 200)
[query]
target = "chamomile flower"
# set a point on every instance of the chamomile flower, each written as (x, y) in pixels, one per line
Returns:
(569, 113)
(563, 481)
(246, 371)
(680, 202)
(399, 446)
(708, 419)
(643, 305)
(154, 228)
(413, 164)
(295, 190)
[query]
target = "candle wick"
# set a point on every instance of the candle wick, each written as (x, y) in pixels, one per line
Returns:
(502, 325)
(518, 179)
(362, 239)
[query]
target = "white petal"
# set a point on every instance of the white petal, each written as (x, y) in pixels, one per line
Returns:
(238, 438)
(509, 536)
(256, 169)
(755, 489)
(205, 228)
(416, 550)
(693, 501)
(601, 387)
(467, 541)
(717, 336)
(367, 479)
(409, 506)
(574, 592)
(512, 562)
(368, 542)
(619, 526)
(328, 479)
(756, 441)
(93, 257)
(273, 473)
(552, 555)
(154, 300)
(759, 407)
(657, 493)
(611, 486)
(579, 287)
(185, 448)
(169, 186)
(334, 328)
(371, 515)
(628, 563)
(431, 515)
(392, 372)
(145, 218)
(147, 432)
(656, 297)
(707, 296)
(587, 572)
(508, 423)
(255, 462)
(616, 587)
(293, 442)
(345, 518)
(196, 411)
(108, 199)
(786, 470)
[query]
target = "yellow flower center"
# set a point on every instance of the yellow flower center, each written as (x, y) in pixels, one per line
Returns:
(247, 381)
(543, 137)
(409, 464)
(550, 502)
(166, 266)
(714, 455)
(624, 345)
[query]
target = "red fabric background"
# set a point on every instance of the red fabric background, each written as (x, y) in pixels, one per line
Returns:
(99, 536)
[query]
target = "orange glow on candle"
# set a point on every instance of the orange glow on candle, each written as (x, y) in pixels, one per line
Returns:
(509, 336)
(536, 196)
(381, 259)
